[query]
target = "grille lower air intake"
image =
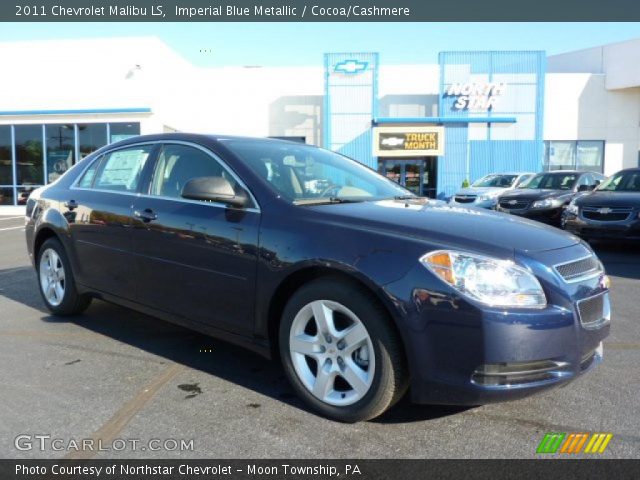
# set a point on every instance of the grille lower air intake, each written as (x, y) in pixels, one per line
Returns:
(594, 311)
(465, 198)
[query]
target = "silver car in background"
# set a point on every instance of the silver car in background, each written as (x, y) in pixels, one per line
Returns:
(484, 192)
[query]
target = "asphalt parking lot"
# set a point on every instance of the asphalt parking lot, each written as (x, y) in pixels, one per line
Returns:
(116, 374)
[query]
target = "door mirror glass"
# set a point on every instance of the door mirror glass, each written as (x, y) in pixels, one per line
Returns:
(585, 188)
(213, 189)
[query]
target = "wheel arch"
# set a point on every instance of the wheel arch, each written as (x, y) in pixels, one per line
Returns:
(43, 234)
(295, 280)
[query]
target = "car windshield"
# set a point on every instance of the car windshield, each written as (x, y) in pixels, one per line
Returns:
(552, 181)
(622, 182)
(307, 175)
(503, 181)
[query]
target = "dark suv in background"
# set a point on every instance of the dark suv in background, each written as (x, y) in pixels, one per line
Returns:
(612, 211)
(544, 197)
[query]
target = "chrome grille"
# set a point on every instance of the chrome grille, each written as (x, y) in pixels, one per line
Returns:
(592, 311)
(574, 270)
(514, 204)
(465, 198)
(607, 214)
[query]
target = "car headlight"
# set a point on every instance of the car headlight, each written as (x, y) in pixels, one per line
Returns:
(547, 203)
(490, 281)
(572, 208)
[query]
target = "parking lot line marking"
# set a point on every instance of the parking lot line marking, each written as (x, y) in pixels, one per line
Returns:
(10, 218)
(110, 430)
(11, 228)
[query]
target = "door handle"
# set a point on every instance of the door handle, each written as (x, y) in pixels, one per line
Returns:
(71, 204)
(146, 215)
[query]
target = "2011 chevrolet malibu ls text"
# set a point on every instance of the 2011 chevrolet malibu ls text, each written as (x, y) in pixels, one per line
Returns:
(360, 288)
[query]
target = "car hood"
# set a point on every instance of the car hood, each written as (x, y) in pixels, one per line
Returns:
(537, 193)
(445, 226)
(479, 190)
(610, 199)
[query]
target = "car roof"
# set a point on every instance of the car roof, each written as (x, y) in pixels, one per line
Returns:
(183, 136)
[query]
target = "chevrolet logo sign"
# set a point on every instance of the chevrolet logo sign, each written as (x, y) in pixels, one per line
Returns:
(604, 211)
(512, 202)
(350, 66)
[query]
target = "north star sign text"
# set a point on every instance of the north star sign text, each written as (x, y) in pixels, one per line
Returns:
(475, 96)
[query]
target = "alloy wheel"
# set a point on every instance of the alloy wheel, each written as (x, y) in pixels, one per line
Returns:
(52, 277)
(332, 353)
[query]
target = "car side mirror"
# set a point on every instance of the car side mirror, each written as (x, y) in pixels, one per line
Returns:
(585, 188)
(214, 189)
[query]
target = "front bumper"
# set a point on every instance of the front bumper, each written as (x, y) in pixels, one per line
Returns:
(626, 230)
(463, 354)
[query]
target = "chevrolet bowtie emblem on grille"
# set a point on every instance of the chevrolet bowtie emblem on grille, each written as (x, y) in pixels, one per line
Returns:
(512, 202)
(604, 210)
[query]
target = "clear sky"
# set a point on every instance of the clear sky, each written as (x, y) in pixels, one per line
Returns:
(281, 44)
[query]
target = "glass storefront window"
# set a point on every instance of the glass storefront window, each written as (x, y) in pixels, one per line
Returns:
(6, 195)
(24, 192)
(60, 150)
(585, 155)
(122, 131)
(6, 156)
(91, 137)
(589, 156)
(29, 155)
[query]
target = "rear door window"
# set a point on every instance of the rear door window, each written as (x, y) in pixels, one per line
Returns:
(121, 170)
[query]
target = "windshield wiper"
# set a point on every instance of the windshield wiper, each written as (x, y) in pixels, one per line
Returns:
(326, 201)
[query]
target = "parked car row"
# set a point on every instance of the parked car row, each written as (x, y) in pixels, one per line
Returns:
(584, 203)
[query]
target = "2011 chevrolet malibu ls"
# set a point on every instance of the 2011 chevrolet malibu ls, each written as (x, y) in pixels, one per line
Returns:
(360, 288)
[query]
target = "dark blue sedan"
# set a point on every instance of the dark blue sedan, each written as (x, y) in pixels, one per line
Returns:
(360, 288)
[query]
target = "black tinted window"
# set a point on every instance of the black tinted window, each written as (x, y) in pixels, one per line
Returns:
(177, 164)
(552, 181)
(121, 170)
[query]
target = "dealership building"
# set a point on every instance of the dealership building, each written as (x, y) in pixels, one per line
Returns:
(428, 126)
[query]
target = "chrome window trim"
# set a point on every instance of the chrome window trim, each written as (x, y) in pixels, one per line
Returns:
(255, 209)
(586, 276)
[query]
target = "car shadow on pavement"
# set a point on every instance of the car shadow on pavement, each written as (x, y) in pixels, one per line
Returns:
(406, 412)
(172, 343)
(618, 258)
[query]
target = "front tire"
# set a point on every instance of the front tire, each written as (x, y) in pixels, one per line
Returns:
(56, 281)
(341, 352)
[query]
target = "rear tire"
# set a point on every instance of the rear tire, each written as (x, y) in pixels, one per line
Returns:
(341, 351)
(56, 281)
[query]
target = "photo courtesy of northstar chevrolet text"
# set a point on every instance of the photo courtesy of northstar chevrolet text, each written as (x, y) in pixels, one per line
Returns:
(247, 240)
